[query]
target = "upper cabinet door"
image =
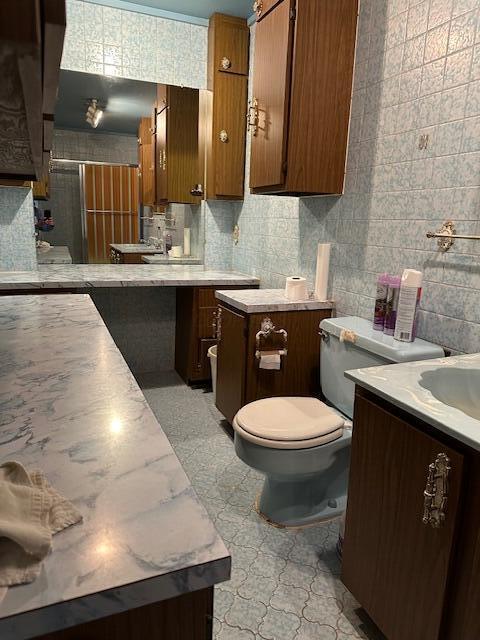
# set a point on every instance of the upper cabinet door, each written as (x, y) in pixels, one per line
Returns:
(262, 7)
(161, 176)
(229, 38)
(268, 116)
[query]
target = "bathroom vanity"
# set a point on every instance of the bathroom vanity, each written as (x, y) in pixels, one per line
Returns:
(131, 253)
(143, 562)
(241, 318)
(411, 553)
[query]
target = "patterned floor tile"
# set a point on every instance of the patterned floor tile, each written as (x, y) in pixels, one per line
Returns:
(278, 625)
(284, 583)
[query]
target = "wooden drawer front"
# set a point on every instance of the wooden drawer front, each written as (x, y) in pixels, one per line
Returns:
(206, 322)
(206, 297)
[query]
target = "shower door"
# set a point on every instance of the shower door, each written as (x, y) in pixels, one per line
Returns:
(110, 208)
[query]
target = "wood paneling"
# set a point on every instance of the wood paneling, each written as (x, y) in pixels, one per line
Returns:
(111, 202)
(271, 87)
(321, 93)
(231, 362)
(393, 564)
(300, 372)
(186, 617)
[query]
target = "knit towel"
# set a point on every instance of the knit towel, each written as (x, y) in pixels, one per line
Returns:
(31, 511)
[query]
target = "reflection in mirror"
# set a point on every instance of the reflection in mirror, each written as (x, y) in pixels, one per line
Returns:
(124, 164)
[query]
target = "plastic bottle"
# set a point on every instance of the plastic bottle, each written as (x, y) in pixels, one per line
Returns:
(381, 301)
(392, 305)
(408, 302)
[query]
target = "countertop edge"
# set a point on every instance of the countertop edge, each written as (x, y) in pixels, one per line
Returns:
(68, 614)
(430, 420)
(271, 307)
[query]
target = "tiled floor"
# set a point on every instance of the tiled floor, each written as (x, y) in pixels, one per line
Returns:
(285, 584)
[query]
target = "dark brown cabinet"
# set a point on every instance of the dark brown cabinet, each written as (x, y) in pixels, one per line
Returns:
(196, 330)
(177, 167)
(31, 44)
(240, 380)
(223, 108)
(302, 84)
(415, 580)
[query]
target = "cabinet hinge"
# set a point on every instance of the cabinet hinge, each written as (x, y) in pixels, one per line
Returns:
(293, 13)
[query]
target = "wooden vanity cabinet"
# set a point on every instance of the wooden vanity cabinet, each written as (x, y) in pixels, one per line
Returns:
(31, 44)
(240, 380)
(146, 161)
(415, 581)
(302, 86)
(196, 330)
(223, 107)
(177, 167)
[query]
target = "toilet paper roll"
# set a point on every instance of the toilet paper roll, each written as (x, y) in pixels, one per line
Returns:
(186, 241)
(296, 288)
(176, 251)
(323, 266)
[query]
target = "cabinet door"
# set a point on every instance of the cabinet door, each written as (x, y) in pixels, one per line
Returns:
(271, 90)
(229, 117)
(395, 565)
(161, 176)
(231, 362)
(231, 44)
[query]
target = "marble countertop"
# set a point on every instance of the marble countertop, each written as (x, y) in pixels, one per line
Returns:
(267, 300)
(161, 259)
(120, 275)
(54, 255)
(402, 385)
(135, 248)
(71, 407)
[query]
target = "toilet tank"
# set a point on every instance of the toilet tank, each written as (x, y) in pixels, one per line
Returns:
(371, 348)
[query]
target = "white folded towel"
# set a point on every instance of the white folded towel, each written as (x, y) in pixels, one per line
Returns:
(31, 511)
(270, 361)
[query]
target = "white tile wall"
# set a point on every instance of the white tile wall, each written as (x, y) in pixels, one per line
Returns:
(117, 42)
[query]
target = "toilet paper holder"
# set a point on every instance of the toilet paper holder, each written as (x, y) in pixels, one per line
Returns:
(266, 330)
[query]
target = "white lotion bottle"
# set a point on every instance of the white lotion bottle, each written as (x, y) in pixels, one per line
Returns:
(408, 302)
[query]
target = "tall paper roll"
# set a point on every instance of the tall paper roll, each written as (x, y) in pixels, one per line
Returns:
(296, 288)
(323, 266)
(186, 241)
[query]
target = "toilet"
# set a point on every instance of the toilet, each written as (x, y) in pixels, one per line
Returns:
(302, 445)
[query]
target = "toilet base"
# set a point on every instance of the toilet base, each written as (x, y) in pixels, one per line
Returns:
(297, 504)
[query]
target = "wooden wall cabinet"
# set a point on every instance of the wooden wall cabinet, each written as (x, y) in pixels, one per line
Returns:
(415, 581)
(302, 85)
(146, 161)
(177, 167)
(31, 44)
(240, 380)
(223, 108)
(196, 330)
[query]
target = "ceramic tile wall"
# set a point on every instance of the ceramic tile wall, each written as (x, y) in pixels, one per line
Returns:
(117, 42)
(417, 73)
(17, 231)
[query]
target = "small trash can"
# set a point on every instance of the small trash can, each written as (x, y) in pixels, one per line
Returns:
(212, 355)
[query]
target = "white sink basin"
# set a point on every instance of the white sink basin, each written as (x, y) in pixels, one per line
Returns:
(455, 387)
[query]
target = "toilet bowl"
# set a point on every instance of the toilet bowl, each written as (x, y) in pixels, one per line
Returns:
(302, 445)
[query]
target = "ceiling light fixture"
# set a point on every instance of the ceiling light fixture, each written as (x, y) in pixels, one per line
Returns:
(94, 113)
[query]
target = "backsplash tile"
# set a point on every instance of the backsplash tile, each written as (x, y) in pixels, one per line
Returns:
(123, 43)
(17, 231)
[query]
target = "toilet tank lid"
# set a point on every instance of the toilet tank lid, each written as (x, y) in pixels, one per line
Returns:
(379, 343)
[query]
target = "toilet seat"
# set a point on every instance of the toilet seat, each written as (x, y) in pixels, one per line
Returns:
(288, 423)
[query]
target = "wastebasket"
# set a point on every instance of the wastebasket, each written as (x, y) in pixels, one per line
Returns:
(212, 354)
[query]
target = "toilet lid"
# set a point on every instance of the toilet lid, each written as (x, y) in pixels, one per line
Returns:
(288, 419)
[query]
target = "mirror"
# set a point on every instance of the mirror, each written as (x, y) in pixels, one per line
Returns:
(125, 182)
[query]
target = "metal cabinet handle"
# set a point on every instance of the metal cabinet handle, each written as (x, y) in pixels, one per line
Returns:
(219, 324)
(258, 7)
(225, 63)
(252, 116)
(435, 495)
